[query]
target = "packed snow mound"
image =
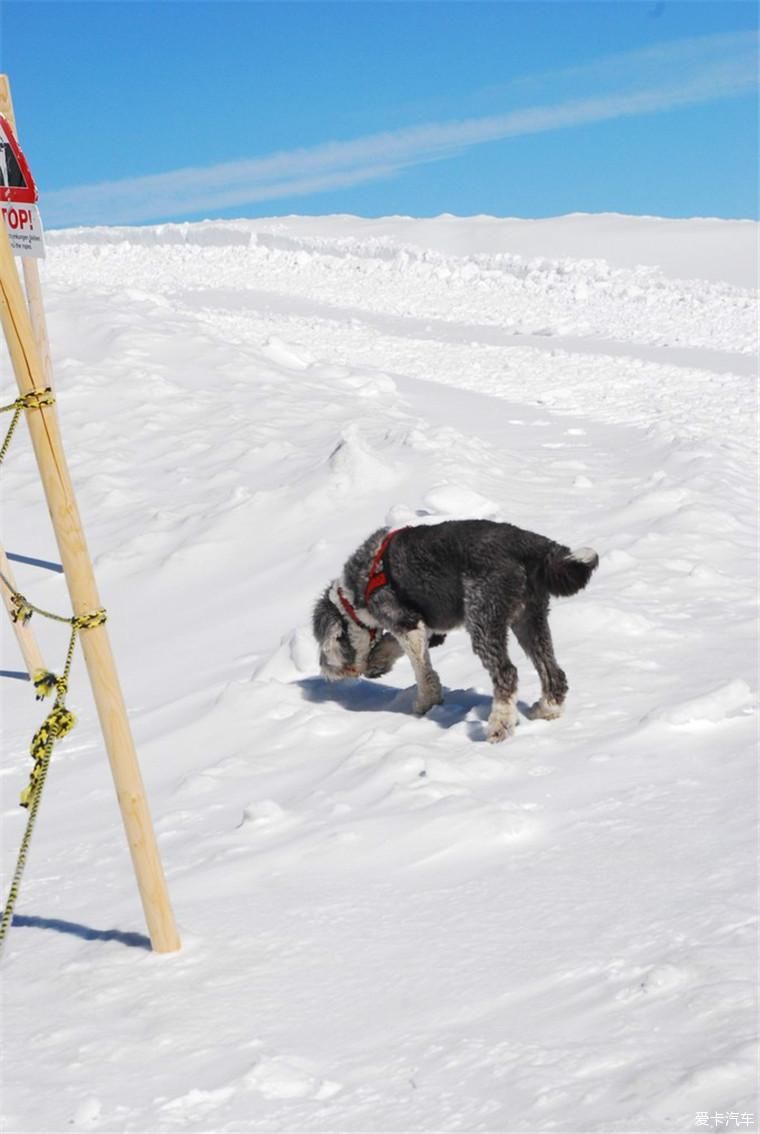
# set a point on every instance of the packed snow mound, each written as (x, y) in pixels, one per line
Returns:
(387, 923)
(701, 248)
(378, 276)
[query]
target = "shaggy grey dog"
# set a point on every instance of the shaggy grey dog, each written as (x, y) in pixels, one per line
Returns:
(402, 591)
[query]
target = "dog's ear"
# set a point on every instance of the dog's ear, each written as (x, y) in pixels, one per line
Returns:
(336, 653)
(326, 622)
(334, 634)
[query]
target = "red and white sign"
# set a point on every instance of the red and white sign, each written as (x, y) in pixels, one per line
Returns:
(16, 181)
(18, 195)
(24, 228)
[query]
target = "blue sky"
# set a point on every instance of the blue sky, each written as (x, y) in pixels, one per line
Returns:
(141, 112)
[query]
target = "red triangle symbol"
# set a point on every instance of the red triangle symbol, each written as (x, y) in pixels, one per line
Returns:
(16, 181)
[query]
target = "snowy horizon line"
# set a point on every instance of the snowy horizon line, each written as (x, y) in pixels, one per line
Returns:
(416, 218)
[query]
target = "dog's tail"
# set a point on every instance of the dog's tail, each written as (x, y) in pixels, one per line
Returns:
(566, 572)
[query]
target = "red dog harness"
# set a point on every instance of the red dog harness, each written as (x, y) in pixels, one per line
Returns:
(377, 578)
(371, 630)
(377, 575)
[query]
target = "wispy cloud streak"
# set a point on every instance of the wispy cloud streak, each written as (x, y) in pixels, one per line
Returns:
(701, 70)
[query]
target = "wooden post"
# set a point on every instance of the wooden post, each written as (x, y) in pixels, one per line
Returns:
(59, 492)
(29, 265)
(30, 650)
(25, 634)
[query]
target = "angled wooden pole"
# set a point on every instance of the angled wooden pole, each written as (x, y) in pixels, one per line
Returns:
(25, 636)
(30, 650)
(29, 265)
(80, 579)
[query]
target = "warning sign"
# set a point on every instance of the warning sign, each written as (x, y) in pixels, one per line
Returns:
(18, 195)
(24, 228)
(16, 181)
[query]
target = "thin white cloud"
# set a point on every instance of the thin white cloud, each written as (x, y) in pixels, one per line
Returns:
(705, 69)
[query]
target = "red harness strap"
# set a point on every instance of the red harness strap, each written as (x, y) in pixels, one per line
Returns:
(371, 630)
(377, 576)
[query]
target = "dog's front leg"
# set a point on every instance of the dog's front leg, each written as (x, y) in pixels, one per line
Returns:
(415, 645)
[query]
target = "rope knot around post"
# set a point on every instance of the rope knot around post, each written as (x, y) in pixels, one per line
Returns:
(22, 610)
(90, 621)
(45, 682)
(33, 399)
(36, 399)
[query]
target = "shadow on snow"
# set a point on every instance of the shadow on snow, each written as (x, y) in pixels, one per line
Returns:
(363, 696)
(85, 932)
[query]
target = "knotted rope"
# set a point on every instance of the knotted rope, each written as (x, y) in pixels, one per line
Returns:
(60, 720)
(35, 399)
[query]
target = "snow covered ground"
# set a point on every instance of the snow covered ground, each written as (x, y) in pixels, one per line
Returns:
(389, 925)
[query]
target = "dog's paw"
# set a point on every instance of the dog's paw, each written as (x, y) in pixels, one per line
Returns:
(422, 707)
(544, 711)
(499, 731)
(502, 721)
(432, 696)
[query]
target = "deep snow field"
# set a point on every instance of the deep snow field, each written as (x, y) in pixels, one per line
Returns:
(389, 924)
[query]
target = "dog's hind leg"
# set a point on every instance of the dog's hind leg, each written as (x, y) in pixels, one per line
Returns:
(415, 646)
(531, 628)
(486, 618)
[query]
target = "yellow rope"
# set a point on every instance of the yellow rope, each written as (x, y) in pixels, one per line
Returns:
(56, 724)
(44, 683)
(23, 609)
(60, 720)
(34, 804)
(20, 610)
(35, 399)
(89, 621)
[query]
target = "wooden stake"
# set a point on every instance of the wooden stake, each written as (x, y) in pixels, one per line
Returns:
(30, 650)
(29, 264)
(59, 492)
(24, 633)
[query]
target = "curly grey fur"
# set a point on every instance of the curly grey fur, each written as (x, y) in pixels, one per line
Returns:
(486, 576)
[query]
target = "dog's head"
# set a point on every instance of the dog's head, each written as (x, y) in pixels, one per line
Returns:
(343, 646)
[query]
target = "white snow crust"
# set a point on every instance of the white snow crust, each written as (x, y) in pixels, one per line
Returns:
(388, 924)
